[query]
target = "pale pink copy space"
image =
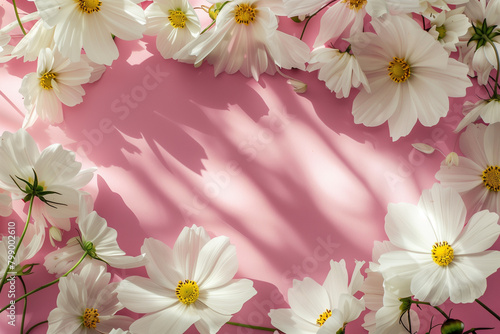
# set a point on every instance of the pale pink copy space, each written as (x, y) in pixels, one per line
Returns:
(289, 178)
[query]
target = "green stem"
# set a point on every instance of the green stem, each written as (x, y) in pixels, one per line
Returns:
(251, 326)
(48, 284)
(213, 22)
(436, 307)
(36, 325)
(498, 67)
(9, 263)
(313, 15)
(25, 305)
(17, 17)
(488, 309)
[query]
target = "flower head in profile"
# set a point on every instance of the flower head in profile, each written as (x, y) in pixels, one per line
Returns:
(246, 39)
(57, 81)
(90, 24)
(410, 75)
(86, 304)
(477, 175)
(37, 39)
(98, 240)
(174, 22)
(448, 26)
(316, 308)
(488, 110)
(437, 248)
(339, 70)
(189, 284)
(58, 177)
(27, 249)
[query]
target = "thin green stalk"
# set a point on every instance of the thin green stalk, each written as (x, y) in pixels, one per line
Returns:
(36, 325)
(313, 15)
(213, 22)
(48, 284)
(488, 309)
(498, 67)
(436, 307)
(251, 326)
(25, 305)
(17, 17)
(2, 283)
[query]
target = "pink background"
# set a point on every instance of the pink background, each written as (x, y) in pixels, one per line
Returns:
(289, 178)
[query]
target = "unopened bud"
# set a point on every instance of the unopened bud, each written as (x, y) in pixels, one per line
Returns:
(55, 234)
(298, 86)
(452, 326)
(452, 159)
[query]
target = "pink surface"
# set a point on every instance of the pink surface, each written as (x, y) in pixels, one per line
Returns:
(289, 178)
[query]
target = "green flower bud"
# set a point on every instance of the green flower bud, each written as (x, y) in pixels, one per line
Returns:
(452, 326)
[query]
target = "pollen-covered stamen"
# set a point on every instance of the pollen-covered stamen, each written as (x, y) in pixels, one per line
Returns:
(323, 316)
(187, 292)
(491, 178)
(46, 80)
(89, 6)
(177, 18)
(245, 13)
(399, 70)
(90, 318)
(442, 253)
(355, 4)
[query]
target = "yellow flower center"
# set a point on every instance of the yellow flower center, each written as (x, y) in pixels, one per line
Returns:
(89, 6)
(245, 13)
(46, 80)
(442, 253)
(491, 178)
(187, 292)
(90, 318)
(177, 18)
(323, 316)
(399, 70)
(355, 4)
(441, 31)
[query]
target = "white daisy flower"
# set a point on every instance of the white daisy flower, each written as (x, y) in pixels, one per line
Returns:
(326, 308)
(37, 39)
(57, 81)
(56, 170)
(426, 6)
(189, 284)
(488, 110)
(477, 175)
(246, 39)
(174, 22)
(97, 238)
(90, 24)
(448, 26)
(339, 70)
(87, 303)
(441, 257)
(409, 73)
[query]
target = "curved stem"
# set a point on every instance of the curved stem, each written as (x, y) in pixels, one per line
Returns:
(436, 307)
(25, 305)
(313, 15)
(9, 263)
(36, 325)
(488, 309)
(252, 327)
(17, 17)
(48, 284)
(213, 22)
(498, 67)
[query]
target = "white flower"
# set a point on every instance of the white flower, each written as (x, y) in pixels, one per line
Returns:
(426, 6)
(488, 110)
(57, 81)
(90, 24)
(451, 159)
(298, 86)
(448, 26)
(189, 284)
(441, 257)
(100, 241)
(477, 175)
(340, 17)
(326, 308)
(30, 245)
(174, 22)
(87, 304)
(339, 70)
(38, 38)
(302, 7)
(246, 39)
(377, 8)
(56, 170)
(410, 76)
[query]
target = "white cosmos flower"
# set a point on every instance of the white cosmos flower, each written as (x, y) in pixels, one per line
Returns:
(321, 309)
(488, 110)
(377, 8)
(37, 39)
(28, 248)
(90, 24)
(477, 175)
(99, 239)
(174, 22)
(57, 81)
(246, 39)
(426, 6)
(189, 284)
(448, 26)
(409, 73)
(86, 304)
(339, 70)
(440, 256)
(56, 169)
